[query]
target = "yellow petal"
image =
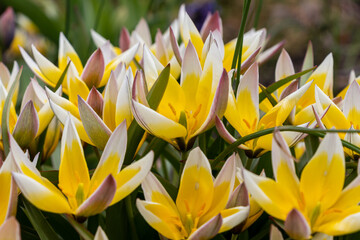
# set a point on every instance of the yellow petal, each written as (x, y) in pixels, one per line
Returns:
(196, 186)
(323, 177)
(73, 170)
(44, 198)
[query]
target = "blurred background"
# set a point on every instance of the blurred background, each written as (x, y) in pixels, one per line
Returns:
(331, 25)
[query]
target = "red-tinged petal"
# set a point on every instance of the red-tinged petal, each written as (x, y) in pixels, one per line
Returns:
(99, 200)
(7, 27)
(219, 103)
(292, 87)
(112, 157)
(209, 229)
(124, 40)
(239, 197)
(4, 74)
(94, 69)
(175, 47)
(211, 24)
(10, 230)
(296, 225)
(249, 61)
(224, 133)
(266, 55)
(27, 125)
(96, 129)
(95, 101)
(275, 234)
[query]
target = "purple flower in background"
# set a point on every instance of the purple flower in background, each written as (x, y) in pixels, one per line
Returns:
(198, 11)
(7, 27)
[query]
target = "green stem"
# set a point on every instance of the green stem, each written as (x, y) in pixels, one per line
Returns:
(184, 156)
(67, 17)
(257, 15)
(130, 213)
(239, 43)
(315, 132)
(234, 236)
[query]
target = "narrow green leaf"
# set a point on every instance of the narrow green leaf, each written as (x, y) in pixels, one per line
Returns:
(62, 77)
(268, 95)
(84, 233)
(239, 44)
(37, 219)
(117, 224)
(6, 113)
(315, 132)
(308, 63)
(273, 87)
(157, 90)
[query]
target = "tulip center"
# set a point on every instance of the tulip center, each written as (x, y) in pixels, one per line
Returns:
(80, 195)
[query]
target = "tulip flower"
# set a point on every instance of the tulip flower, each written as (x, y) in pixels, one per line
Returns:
(8, 191)
(243, 113)
(95, 73)
(100, 113)
(189, 108)
(315, 203)
(347, 118)
(253, 43)
(10, 229)
(35, 94)
(202, 205)
(255, 210)
(78, 194)
(161, 48)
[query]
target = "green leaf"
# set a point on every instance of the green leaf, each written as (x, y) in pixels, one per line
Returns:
(37, 219)
(84, 233)
(157, 90)
(117, 224)
(315, 132)
(273, 87)
(268, 95)
(6, 113)
(62, 77)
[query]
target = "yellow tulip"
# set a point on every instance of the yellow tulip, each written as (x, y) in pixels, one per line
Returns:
(202, 207)
(78, 194)
(189, 108)
(317, 201)
(243, 113)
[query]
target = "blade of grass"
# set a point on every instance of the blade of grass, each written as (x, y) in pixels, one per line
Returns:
(273, 87)
(239, 44)
(315, 132)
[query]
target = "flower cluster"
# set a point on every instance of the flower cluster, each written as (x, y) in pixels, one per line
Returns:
(180, 119)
